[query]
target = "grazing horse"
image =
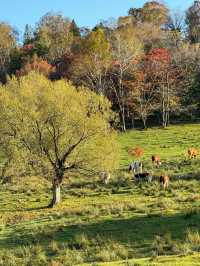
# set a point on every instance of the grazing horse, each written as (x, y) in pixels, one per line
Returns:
(136, 167)
(143, 176)
(105, 177)
(156, 160)
(192, 153)
(164, 181)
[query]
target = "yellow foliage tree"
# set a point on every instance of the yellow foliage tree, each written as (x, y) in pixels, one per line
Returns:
(62, 129)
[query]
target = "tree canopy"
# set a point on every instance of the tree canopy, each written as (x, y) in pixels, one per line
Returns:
(61, 130)
(111, 58)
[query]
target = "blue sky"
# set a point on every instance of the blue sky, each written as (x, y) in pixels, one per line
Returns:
(85, 12)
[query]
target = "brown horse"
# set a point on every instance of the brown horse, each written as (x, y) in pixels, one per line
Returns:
(156, 160)
(164, 181)
(192, 153)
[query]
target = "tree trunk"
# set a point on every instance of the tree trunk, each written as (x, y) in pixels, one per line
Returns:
(123, 120)
(163, 107)
(164, 123)
(144, 123)
(132, 123)
(123, 123)
(168, 100)
(165, 118)
(56, 184)
(56, 194)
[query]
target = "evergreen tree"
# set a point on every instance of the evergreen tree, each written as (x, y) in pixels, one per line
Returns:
(28, 34)
(193, 22)
(74, 29)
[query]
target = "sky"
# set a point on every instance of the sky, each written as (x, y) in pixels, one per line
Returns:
(87, 13)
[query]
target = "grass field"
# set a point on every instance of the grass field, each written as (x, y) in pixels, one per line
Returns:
(122, 223)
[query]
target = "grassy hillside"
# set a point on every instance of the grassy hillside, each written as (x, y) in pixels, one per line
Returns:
(122, 223)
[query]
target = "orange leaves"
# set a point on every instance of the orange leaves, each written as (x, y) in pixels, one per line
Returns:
(38, 65)
(161, 55)
(27, 48)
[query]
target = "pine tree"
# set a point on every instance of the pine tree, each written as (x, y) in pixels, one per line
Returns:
(193, 22)
(74, 29)
(28, 34)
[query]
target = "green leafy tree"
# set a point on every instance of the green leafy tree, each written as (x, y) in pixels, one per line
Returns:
(61, 130)
(91, 66)
(8, 43)
(193, 22)
(187, 58)
(152, 12)
(16, 60)
(54, 36)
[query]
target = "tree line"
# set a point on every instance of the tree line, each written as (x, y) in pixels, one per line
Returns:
(146, 63)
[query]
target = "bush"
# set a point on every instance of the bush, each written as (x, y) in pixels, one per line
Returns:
(72, 257)
(181, 249)
(81, 241)
(193, 239)
(163, 245)
(54, 248)
(112, 251)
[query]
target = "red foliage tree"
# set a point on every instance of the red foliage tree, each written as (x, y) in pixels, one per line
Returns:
(158, 57)
(37, 64)
(28, 50)
(162, 75)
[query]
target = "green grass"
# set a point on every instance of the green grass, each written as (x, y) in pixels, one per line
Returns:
(122, 223)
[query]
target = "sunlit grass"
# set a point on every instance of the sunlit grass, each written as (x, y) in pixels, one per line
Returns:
(138, 224)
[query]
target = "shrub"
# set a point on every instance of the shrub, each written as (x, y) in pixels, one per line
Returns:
(112, 251)
(81, 241)
(106, 255)
(193, 239)
(181, 249)
(159, 245)
(72, 257)
(163, 245)
(54, 248)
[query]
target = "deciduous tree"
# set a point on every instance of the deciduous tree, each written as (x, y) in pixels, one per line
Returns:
(36, 64)
(163, 76)
(125, 49)
(143, 95)
(92, 64)
(193, 22)
(8, 43)
(54, 35)
(61, 129)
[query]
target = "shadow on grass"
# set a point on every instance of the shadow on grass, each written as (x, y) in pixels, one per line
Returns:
(24, 209)
(46, 207)
(138, 232)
